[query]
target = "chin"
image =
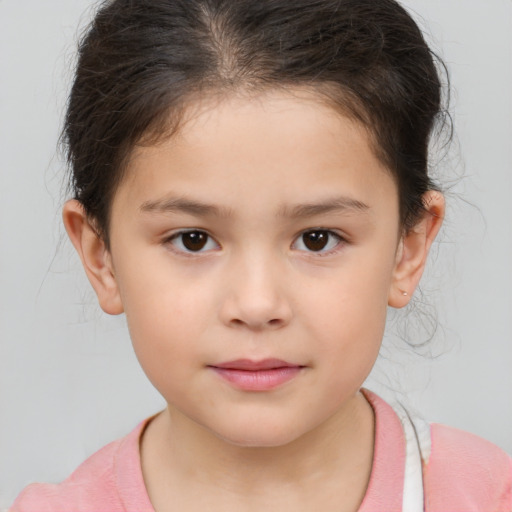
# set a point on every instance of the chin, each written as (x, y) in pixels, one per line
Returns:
(259, 436)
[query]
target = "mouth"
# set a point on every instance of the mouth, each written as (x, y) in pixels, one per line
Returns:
(249, 375)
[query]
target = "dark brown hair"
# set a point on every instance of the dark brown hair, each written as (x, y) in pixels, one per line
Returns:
(141, 62)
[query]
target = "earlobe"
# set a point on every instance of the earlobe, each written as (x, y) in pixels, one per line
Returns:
(413, 250)
(94, 255)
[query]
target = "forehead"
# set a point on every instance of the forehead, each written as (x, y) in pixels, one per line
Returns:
(285, 146)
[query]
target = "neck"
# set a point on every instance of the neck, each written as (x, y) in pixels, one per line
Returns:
(339, 450)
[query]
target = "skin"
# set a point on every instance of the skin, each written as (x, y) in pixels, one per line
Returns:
(255, 174)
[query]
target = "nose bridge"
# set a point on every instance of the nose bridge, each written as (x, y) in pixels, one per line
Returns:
(256, 294)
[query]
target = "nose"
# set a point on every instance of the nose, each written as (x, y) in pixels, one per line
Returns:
(255, 296)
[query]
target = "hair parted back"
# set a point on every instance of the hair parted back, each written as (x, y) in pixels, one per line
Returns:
(141, 62)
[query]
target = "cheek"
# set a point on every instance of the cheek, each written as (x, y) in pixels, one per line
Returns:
(348, 311)
(164, 340)
(167, 316)
(353, 327)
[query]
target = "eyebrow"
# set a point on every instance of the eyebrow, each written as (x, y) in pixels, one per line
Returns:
(332, 205)
(199, 209)
(184, 205)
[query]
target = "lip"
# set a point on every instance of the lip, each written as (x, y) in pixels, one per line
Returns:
(250, 375)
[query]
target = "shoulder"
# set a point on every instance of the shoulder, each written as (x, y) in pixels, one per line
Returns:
(466, 471)
(91, 484)
(461, 471)
(99, 483)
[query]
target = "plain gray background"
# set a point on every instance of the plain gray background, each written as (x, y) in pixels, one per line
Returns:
(69, 382)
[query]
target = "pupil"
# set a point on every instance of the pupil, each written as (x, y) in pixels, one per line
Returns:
(195, 240)
(315, 240)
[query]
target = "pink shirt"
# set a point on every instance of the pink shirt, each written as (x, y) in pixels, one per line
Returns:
(463, 473)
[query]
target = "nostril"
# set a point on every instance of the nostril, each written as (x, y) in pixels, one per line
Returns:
(255, 311)
(273, 323)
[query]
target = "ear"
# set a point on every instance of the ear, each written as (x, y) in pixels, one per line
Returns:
(95, 257)
(413, 250)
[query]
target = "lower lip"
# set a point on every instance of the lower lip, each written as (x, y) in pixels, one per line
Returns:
(258, 380)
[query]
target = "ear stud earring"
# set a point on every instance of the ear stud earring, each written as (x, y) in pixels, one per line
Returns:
(405, 294)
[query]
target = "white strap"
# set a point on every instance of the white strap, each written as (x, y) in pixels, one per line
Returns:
(417, 437)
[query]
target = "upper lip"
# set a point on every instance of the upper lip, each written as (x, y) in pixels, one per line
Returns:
(251, 365)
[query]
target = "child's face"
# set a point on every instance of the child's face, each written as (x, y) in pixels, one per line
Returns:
(291, 255)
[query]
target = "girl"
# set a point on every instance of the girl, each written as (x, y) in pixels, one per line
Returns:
(250, 188)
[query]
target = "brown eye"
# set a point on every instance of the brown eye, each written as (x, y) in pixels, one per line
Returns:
(315, 240)
(318, 240)
(193, 241)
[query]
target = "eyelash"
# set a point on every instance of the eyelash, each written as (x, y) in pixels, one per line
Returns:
(300, 238)
(184, 250)
(340, 241)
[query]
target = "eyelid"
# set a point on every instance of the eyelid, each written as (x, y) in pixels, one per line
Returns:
(342, 240)
(167, 240)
